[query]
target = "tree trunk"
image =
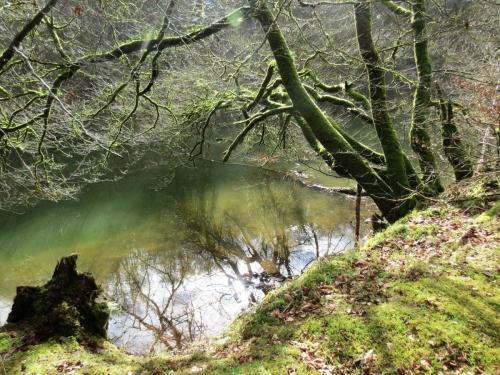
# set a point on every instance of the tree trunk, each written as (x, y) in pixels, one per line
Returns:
(452, 144)
(420, 139)
(359, 190)
(396, 169)
(65, 306)
(391, 199)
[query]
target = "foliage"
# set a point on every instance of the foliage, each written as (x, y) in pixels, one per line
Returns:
(167, 82)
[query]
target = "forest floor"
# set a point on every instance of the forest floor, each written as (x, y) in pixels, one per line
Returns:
(421, 297)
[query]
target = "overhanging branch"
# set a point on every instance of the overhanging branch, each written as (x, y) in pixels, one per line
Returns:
(132, 47)
(16, 42)
(259, 117)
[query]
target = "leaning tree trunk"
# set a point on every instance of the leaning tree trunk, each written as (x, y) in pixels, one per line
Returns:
(420, 140)
(392, 203)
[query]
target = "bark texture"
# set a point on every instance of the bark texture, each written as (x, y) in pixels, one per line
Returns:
(452, 144)
(394, 156)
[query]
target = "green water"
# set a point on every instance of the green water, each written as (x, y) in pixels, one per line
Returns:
(198, 222)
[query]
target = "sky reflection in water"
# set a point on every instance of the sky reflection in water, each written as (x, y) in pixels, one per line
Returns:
(181, 258)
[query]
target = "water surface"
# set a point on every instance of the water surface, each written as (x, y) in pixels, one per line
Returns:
(179, 255)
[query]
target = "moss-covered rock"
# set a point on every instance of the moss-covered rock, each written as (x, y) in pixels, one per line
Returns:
(67, 305)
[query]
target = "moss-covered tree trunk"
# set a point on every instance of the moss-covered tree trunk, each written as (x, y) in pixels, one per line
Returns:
(66, 305)
(452, 144)
(388, 197)
(396, 167)
(420, 140)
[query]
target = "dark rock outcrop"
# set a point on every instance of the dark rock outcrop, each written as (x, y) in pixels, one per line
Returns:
(67, 305)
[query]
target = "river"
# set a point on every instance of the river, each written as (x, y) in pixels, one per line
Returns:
(179, 255)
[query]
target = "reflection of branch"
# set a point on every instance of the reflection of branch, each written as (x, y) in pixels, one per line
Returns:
(335, 247)
(169, 325)
(151, 327)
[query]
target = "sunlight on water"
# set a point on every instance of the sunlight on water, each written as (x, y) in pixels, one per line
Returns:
(179, 260)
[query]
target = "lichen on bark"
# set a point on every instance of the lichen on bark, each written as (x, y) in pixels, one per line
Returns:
(452, 144)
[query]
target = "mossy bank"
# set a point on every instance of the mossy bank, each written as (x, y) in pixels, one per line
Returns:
(421, 297)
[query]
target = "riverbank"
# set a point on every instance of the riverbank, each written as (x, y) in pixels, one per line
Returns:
(421, 297)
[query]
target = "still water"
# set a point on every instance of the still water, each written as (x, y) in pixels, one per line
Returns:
(179, 255)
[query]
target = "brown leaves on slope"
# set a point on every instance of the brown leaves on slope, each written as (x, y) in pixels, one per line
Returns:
(313, 360)
(436, 237)
(310, 303)
(70, 367)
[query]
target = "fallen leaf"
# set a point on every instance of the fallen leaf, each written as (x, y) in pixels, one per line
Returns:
(369, 356)
(312, 360)
(277, 314)
(425, 364)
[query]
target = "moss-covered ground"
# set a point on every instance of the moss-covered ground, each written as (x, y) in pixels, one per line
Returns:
(421, 297)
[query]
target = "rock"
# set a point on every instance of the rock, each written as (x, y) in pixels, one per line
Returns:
(66, 305)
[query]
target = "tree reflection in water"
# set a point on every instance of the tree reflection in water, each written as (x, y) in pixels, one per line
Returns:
(222, 259)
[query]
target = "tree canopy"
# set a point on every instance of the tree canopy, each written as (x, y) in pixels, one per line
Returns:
(399, 96)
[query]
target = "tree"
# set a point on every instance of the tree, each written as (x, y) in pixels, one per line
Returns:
(396, 188)
(62, 89)
(57, 91)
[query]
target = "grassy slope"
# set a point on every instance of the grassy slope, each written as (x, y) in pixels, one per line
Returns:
(421, 297)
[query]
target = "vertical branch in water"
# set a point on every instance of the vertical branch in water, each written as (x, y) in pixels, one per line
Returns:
(316, 242)
(358, 215)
